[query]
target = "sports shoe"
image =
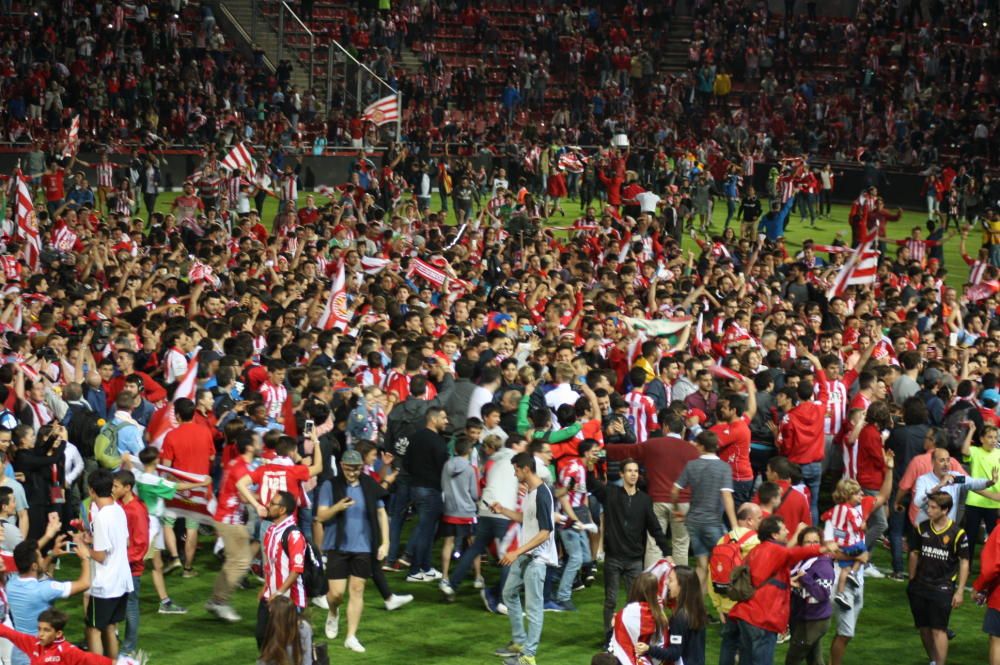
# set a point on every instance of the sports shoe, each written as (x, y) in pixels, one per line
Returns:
(501, 609)
(489, 600)
(403, 561)
(513, 649)
(567, 605)
(170, 607)
(446, 591)
(395, 602)
(394, 567)
(173, 565)
(430, 575)
(224, 612)
(898, 577)
(784, 637)
(332, 624)
(189, 573)
(852, 580)
(416, 577)
(479, 583)
(872, 571)
(519, 660)
(353, 644)
(552, 606)
(843, 601)
(321, 602)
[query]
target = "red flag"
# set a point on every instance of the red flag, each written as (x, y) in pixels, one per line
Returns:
(982, 291)
(27, 226)
(164, 420)
(196, 503)
(73, 139)
(239, 158)
(720, 372)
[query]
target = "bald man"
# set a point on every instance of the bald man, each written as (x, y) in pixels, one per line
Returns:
(748, 518)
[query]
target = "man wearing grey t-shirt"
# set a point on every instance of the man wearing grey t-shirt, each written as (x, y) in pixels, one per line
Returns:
(711, 483)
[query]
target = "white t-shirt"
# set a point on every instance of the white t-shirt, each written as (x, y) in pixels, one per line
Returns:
(113, 578)
(647, 201)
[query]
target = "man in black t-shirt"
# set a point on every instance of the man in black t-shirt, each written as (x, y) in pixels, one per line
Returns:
(939, 569)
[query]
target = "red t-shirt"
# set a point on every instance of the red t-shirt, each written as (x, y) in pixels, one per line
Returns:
(230, 506)
(137, 518)
(734, 446)
(282, 475)
(53, 185)
(794, 507)
(189, 448)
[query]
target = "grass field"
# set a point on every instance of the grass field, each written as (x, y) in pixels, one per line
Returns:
(428, 631)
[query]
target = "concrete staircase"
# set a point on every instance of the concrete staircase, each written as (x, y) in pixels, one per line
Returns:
(239, 14)
(674, 52)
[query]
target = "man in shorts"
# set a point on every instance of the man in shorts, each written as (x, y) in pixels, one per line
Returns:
(355, 536)
(112, 581)
(939, 569)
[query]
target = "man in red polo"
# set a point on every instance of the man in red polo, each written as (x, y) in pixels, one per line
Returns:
(733, 429)
(188, 447)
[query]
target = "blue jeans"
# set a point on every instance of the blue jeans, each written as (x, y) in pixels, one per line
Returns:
(529, 574)
(577, 549)
(429, 505)
(398, 505)
(131, 641)
(488, 529)
(812, 473)
(756, 644)
(897, 530)
(729, 648)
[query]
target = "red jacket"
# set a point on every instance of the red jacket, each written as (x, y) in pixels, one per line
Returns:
(871, 462)
(770, 565)
(60, 651)
(794, 507)
(800, 437)
(137, 518)
(989, 570)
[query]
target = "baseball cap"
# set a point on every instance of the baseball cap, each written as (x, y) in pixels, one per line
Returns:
(695, 413)
(991, 395)
(352, 458)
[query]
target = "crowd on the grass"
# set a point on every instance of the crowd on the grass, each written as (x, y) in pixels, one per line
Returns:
(560, 402)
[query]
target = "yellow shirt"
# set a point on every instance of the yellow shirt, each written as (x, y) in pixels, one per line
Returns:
(723, 604)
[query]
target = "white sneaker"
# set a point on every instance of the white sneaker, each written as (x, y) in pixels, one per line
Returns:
(395, 602)
(479, 583)
(416, 577)
(227, 613)
(501, 609)
(432, 574)
(445, 587)
(333, 625)
(353, 644)
(321, 602)
(872, 571)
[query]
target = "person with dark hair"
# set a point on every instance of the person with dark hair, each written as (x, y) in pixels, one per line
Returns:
(629, 519)
(631, 637)
(424, 461)
(112, 581)
(733, 414)
(30, 592)
(766, 613)
(287, 636)
(939, 569)
(685, 641)
(49, 646)
(283, 558)
(535, 552)
(711, 483)
(189, 447)
(137, 519)
(664, 459)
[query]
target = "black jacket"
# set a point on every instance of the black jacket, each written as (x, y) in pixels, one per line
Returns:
(425, 458)
(373, 493)
(627, 521)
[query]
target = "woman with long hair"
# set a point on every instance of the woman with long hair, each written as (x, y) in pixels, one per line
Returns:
(287, 638)
(640, 623)
(686, 640)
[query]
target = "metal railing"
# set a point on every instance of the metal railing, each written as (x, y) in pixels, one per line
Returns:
(284, 9)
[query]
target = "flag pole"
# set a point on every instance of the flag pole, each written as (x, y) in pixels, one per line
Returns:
(399, 116)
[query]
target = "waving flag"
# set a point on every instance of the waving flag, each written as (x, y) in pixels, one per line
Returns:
(239, 158)
(73, 138)
(382, 111)
(335, 312)
(861, 268)
(373, 265)
(197, 503)
(662, 569)
(27, 226)
(724, 373)
(659, 327)
(164, 419)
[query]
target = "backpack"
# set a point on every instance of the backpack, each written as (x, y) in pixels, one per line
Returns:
(741, 586)
(106, 445)
(313, 576)
(725, 559)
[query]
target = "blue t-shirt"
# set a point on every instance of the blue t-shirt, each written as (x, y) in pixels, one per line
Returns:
(28, 597)
(354, 520)
(129, 439)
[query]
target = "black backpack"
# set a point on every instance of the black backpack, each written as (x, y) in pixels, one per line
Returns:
(313, 577)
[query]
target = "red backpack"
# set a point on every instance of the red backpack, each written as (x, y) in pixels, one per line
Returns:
(725, 557)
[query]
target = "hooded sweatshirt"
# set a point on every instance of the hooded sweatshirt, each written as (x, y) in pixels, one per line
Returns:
(458, 482)
(801, 435)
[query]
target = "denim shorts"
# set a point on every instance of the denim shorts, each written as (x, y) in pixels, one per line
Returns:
(704, 537)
